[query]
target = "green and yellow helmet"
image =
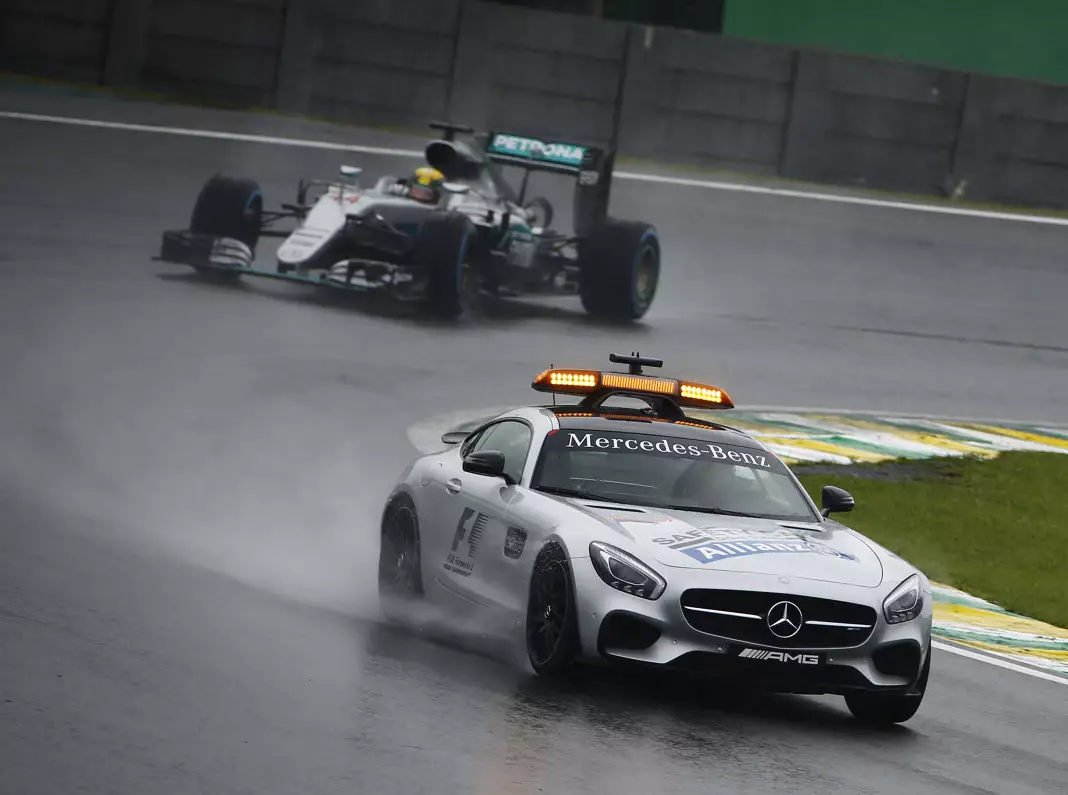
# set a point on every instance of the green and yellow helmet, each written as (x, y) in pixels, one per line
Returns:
(429, 177)
(425, 184)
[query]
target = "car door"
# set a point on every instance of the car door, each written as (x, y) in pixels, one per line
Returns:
(474, 508)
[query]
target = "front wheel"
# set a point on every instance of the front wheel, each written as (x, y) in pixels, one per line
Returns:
(232, 208)
(552, 618)
(229, 207)
(619, 269)
(896, 708)
(400, 579)
(444, 248)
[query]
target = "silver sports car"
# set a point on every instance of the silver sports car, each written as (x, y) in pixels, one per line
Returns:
(620, 529)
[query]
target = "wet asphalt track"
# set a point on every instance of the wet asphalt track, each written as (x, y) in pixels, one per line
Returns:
(190, 477)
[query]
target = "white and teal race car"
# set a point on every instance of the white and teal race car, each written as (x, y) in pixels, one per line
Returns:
(441, 240)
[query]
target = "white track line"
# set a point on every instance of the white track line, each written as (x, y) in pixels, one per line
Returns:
(625, 175)
(830, 197)
(198, 133)
(1021, 669)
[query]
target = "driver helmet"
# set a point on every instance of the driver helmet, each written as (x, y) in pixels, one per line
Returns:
(425, 184)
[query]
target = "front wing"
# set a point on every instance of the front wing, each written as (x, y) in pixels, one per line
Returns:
(223, 255)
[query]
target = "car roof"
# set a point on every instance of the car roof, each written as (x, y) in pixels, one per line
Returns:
(637, 421)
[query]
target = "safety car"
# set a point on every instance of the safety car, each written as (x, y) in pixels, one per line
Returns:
(453, 229)
(622, 529)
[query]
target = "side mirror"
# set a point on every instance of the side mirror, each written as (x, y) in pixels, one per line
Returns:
(836, 500)
(352, 172)
(486, 462)
(539, 214)
(455, 187)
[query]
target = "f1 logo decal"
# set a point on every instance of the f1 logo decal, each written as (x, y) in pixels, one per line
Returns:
(461, 528)
(471, 525)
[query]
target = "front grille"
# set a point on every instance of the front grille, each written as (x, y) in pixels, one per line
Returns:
(743, 616)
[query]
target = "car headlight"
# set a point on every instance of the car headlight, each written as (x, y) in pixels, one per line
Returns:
(626, 573)
(905, 602)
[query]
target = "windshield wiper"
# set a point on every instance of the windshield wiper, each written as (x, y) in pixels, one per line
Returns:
(563, 491)
(717, 511)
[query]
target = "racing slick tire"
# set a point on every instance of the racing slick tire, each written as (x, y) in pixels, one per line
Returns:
(443, 248)
(895, 708)
(552, 618)
(400, 577)
(619, 268)
(229, 207)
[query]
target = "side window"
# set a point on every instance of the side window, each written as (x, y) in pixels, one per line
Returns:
(511, 438)
(469, 443)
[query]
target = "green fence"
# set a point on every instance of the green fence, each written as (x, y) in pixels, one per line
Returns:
(1023, 38)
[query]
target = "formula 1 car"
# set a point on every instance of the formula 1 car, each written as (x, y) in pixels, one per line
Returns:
(456, 229)
(647, 536)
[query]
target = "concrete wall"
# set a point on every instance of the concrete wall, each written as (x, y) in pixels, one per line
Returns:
(859, 121)
(385, 62)
(550, 75)
(696, 98)
(221, 50)
(657, 94)
(55, 38)
(1013, 144)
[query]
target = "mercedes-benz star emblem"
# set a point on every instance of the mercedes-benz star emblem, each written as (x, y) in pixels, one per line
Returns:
(785, 619)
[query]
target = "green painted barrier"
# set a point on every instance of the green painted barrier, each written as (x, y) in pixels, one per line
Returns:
(1021, 39)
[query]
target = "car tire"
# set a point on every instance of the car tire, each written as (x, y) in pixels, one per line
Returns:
(552, 618)
(619, 269)
(400, 578)
(229, 207)
(896, 708)
(444, 248)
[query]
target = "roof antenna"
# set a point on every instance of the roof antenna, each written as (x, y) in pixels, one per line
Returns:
(635, 361)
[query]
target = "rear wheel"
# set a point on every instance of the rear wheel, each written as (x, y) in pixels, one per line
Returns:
(896, 708)
(552, 620)
(400, 579)
(444, 248)
(619, 269)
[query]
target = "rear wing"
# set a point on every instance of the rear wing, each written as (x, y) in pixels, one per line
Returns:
(518, 150)
(591, 166)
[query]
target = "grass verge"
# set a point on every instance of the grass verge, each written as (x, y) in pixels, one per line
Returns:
(996, 528)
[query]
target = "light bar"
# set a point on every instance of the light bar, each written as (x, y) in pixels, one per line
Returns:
(706, 394)
(566, 380)
(585, 382)
(639, 383)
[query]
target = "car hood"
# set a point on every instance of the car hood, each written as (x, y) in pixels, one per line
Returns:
(713, 543)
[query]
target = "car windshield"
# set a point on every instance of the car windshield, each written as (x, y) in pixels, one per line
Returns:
(667, 472)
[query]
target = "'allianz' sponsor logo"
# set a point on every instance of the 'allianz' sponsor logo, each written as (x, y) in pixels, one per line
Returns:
(723, 550)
